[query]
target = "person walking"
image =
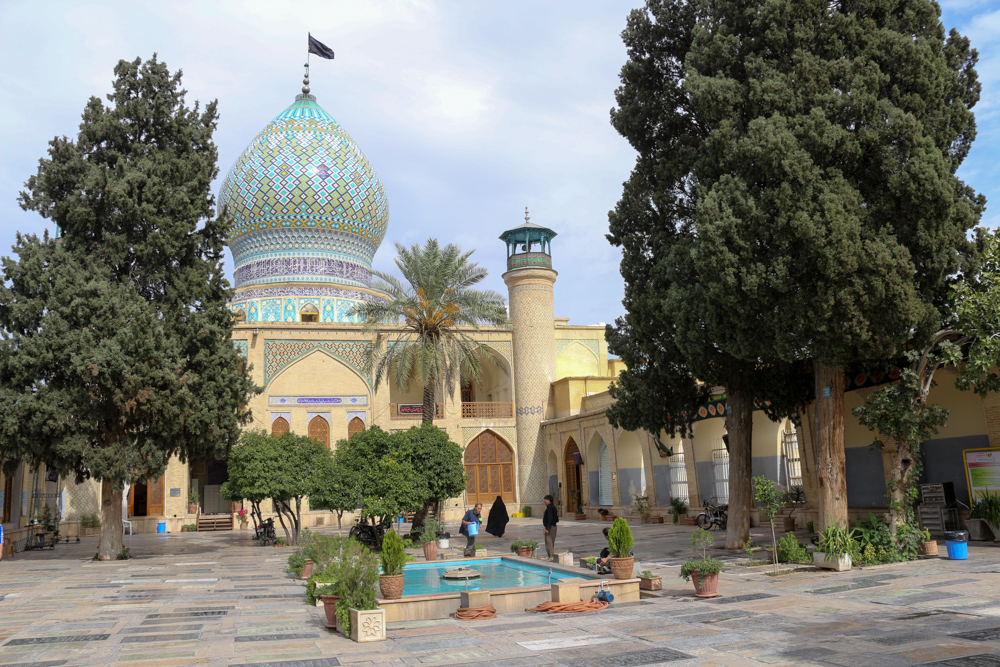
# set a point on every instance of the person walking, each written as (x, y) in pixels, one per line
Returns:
(1, 541)
(473, 516)
(549, 521)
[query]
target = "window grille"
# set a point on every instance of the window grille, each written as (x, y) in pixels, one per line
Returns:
(720, 465)
(679, 478)
(793, 459)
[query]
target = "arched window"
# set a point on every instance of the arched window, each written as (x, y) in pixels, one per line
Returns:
(319, 430)
(574, 481)
(604, 473)
(240, 316)
(279, 427)
(355, 426)
(309, 313)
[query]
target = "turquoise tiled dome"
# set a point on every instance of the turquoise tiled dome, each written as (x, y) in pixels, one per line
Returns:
(306, 206)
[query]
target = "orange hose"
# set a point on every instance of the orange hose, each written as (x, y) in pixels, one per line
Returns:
(569, 607)
(475, 613)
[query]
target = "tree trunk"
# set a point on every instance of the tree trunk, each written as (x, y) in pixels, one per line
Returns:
(298, 519)
(902, 476)
(111, 522)
(739, 425)
(340, 517)
(429, 408)
(281, 518)
(831, 462)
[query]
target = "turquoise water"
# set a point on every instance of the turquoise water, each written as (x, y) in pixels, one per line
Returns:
(426, 579)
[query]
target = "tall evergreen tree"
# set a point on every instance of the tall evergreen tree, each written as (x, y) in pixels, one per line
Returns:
(116, 350)
(796, 183)
(832, 219)
(669, 338)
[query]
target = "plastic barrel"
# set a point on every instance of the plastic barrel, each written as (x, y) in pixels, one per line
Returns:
(957, 542)
(161, 527)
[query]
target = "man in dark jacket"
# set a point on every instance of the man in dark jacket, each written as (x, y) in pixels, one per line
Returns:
(549, 521)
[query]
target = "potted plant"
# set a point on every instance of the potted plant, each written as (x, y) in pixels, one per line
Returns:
(927, 546)
(704, 572)
(620, 543)
(480, 551)
(90, 524)
(193, 501)
(444, 539)
(429, 536)
(527, 548)
(833, 551)
(769, 500)
(678, 508)
(393, 557)
(577, 499)
(642, 507)
(356, 572)
(986, 509)
(241, 514)
(796, 496)
(649, 581)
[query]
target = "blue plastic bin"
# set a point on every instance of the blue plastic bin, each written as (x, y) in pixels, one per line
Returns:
(957, 542)
(161, 527)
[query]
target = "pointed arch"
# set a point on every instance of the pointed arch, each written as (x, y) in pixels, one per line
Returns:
(309, 313)
(279, 427)
(574, 475)
(489, 469)
(319, 430)
(355, 426)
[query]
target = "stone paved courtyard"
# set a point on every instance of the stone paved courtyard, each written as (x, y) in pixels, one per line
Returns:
(217, 599)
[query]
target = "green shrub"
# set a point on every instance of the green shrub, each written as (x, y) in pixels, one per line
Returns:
(322, 549)
(296, 563)
(702, 566)
(431, 530)
(357, 580)
(835, 542)
(407, 542)
(678, 507)
(90, 521)
(515, 545)
(790, 551)
(526, 510)
(811, 527)
(620, 540)
(393, 556)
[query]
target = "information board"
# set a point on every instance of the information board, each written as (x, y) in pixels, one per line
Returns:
(982, 471)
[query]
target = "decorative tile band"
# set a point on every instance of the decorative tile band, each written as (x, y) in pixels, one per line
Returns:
(241, 346)
(524, 259)
(317, 400)
(303, 290)
(530, 410)
(592, 345)
(280, 267)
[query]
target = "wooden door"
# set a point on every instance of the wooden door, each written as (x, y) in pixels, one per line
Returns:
(489, 466)
(355, 426)
(154, 497)
(572, 475)
(279, 427)
(131, 500)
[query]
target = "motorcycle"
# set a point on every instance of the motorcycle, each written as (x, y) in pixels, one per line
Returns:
(368, 534)
(715, 514)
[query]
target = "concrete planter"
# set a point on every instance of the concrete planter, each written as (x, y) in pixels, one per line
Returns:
(656, 519)
(650, 583)
(978, 529)
(367, 625)
(91, 532)
(580, 517)
(842, 564)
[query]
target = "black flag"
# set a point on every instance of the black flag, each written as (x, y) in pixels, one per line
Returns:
(319, 48)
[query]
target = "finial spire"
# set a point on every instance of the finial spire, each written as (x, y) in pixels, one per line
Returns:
(305, 81)
(526, 218)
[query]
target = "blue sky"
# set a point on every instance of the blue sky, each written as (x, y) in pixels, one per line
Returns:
(469, 111)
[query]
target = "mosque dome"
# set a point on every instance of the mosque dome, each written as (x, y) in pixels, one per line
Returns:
(307, 211)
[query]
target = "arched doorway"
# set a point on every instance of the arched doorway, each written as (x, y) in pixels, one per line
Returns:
(319, 430)
(489, 466)
(355, 426)
(279, 427)
(574, 476)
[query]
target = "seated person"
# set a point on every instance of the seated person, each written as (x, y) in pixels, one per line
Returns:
(603, 562)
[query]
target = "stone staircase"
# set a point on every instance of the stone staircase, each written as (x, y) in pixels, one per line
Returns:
(215, 522)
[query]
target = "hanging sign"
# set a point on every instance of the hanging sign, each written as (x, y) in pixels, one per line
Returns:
(982, 471)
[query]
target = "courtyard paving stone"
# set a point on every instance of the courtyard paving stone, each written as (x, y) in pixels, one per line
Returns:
(218, 599)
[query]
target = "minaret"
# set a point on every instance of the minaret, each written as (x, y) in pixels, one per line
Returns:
(529, 280)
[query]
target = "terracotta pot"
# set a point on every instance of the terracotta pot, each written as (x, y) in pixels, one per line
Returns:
(650, 583)
(928, 548)
(623, 568)
(706, 586)
(330, 607)
(691, 522)
(430, 550)
(789, 522)
(580, 517)
(656, 519)
(192, 509)
(524, 551)
(307, 570)
(391, 586)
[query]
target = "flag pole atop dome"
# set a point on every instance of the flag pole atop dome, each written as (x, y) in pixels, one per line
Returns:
(321, 50)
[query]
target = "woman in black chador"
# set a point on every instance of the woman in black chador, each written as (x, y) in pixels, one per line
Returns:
(496, 524)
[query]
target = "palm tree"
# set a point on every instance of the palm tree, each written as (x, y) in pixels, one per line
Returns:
(438, 309)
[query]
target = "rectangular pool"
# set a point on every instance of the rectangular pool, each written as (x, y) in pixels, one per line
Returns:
(426, 578)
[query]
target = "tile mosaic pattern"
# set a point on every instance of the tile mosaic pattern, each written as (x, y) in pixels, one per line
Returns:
(280, 353)
(241, 346)
(303, 188)
(592, 345)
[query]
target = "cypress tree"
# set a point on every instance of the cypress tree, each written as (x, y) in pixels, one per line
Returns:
(116, 352)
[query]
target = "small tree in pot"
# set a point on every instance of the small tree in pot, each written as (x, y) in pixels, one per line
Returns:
(393, 557)
(620, 543)
(770, 501)
(705, 571)
(429, 536)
